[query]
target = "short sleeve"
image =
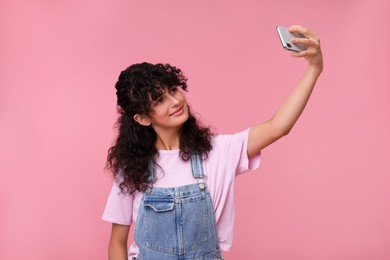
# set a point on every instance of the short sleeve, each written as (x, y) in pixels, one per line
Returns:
(119, 207)
(234, 148)
(247, 164)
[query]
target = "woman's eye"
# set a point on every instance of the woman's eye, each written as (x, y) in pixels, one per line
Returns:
(173, 90)
(157, 101)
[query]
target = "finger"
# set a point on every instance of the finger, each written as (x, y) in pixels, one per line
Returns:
(298, 54)
(306, 54)
(303, 30)
(306, 41)
(298, 29)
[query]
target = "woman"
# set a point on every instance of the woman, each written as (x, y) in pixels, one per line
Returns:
(173, 178)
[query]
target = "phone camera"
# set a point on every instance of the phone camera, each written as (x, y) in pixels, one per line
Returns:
(289, 45)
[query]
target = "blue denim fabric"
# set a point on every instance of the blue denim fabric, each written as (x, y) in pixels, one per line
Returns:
(197, 167)
(178, 223)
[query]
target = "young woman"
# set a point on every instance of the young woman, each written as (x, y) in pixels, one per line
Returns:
(174, 179)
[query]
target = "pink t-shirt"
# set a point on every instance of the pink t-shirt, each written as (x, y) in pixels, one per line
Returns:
(226, 160)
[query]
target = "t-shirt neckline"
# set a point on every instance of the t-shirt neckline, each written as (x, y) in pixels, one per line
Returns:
(174, 151)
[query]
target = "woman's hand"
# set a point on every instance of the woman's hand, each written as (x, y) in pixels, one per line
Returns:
(312, 41)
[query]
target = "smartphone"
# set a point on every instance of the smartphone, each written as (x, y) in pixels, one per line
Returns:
(285, 37)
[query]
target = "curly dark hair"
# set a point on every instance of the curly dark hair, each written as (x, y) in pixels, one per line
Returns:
(134, 149)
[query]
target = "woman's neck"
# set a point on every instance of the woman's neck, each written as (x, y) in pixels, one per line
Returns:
(168, 141)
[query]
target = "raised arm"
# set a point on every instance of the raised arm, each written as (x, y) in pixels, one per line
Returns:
(288, 113)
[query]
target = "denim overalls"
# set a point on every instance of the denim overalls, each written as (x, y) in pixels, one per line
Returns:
(178, 223)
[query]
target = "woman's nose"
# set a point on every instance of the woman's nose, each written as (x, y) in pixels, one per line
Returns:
(174, 100)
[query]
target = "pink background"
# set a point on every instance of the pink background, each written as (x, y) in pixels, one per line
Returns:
(323, 192)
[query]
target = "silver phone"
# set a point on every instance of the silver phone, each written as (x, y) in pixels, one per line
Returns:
(285, 37)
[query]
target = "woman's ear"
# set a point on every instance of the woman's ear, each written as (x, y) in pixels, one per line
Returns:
(142, 120)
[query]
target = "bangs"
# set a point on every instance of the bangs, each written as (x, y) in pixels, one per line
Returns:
(159, 90)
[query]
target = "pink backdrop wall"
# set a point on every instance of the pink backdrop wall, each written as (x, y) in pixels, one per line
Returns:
(321, 193)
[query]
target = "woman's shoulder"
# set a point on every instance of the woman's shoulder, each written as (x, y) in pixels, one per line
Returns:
(222, 138)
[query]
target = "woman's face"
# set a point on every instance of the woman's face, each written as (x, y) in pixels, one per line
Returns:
(169, 111)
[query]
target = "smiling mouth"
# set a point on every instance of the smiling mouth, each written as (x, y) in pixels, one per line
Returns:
(178, 111)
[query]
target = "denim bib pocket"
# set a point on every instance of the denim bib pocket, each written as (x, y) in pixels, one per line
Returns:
(158, 222)
(160, 204)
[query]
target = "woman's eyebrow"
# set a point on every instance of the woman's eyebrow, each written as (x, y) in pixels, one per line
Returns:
(157, 93)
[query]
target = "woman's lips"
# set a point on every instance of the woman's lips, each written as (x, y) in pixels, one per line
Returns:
(178, 112)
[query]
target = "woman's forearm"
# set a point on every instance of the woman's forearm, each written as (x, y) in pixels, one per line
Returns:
(291, 109)
(117, 251)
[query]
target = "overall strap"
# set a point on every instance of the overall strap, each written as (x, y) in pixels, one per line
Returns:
(152, 170)
(197, 166)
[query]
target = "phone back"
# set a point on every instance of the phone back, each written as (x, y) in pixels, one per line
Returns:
(285, 37)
